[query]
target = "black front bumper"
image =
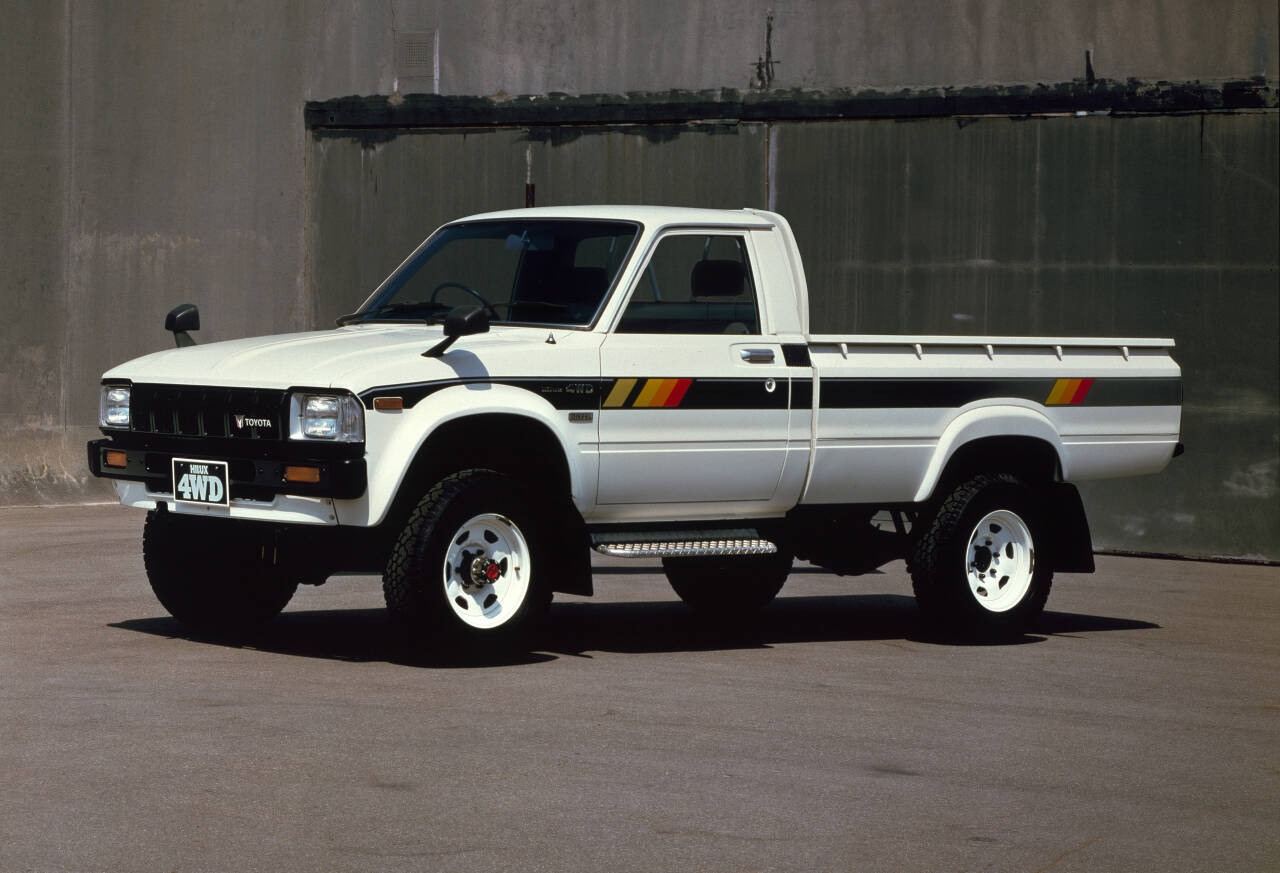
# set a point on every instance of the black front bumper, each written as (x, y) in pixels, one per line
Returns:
(256, 468)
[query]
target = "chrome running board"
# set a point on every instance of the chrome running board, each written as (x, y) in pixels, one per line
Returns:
(682, 544)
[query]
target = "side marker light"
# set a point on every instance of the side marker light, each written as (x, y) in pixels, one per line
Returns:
(310, 475)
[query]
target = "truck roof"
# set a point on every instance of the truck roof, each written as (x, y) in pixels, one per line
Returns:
(650, 216)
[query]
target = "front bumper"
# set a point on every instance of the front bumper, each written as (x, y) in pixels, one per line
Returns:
(256, 470)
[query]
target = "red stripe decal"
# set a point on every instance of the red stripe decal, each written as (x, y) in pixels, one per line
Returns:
(1078, 397)
(677, 393)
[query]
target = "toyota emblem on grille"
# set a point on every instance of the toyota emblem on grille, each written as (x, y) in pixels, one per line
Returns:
(244, 421)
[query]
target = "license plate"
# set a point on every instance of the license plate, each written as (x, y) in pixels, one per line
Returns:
(202, 482)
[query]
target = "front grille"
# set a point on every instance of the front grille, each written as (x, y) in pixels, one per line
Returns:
(196, 411)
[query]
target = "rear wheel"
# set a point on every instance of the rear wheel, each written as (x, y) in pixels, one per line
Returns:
(469, 573)
(728, 587)
(214, 574)
(974, 568)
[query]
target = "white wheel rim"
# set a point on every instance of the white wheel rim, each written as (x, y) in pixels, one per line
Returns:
(486, 571)
(1000, 561)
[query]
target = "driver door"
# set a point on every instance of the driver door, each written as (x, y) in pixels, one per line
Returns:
(695, 394)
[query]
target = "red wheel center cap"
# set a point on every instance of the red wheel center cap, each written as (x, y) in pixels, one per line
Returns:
(491, 571)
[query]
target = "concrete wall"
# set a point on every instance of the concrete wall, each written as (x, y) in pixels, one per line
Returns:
(496, 47)
(33, 206)
(1099, 226)
(163, 155)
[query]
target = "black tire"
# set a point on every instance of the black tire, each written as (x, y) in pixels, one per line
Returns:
(728, 587)
(475, 521)
(215, 575)
(982, 585)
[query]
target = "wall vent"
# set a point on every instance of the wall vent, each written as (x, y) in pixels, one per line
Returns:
(417, 62)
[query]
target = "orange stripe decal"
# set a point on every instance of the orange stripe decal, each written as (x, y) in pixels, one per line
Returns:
(653, 394)
(1081, 390)
(664, 391)
(1068, 392)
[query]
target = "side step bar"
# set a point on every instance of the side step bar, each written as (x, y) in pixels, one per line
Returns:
(682, 544)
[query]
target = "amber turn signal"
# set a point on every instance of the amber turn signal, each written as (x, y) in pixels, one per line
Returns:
(302, 474)
(388, 403)
(116, 459)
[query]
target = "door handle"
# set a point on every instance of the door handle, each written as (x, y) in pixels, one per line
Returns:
(757, 356)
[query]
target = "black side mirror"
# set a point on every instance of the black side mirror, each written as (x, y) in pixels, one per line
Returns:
(461, 321)
(181, 319)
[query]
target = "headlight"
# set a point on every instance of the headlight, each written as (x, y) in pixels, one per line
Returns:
(337, 417)
(113, 406)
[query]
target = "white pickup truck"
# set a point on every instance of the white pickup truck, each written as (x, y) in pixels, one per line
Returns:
(530, 384)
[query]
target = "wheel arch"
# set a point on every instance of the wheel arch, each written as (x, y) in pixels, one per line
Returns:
(1007, 438)
(520, 446)
(1025, 444)
(516, 445)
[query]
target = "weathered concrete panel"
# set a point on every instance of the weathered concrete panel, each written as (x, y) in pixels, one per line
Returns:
(1097, 226)
(187, 169)
(494, 47)
(388, 195)
(34, 464)
(719, 166)
(373, 202)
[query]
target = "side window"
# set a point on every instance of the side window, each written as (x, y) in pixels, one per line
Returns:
(695, 283)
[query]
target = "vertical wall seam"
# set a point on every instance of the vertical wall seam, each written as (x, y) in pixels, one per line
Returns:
(68, 201)
(768, 166)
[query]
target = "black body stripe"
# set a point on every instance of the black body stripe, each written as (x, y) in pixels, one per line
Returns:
(589, 394)
(572, 394)
(734, 394)
(801, 393)
(948, 393)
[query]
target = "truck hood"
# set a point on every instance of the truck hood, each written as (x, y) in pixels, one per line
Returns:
(354, 358)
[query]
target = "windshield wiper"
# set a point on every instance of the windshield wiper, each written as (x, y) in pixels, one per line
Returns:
(392, 309)
(535, 304)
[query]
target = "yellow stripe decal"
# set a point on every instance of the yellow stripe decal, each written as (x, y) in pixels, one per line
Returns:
(1063, 391)
(618, 395)
(651, 388)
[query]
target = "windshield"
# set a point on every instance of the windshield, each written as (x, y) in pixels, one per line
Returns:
(521, 272)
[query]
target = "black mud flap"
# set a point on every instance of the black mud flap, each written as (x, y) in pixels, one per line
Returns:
(1070, 547)
(573, 558)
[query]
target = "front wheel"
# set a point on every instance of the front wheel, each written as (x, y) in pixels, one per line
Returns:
(469, 573)
(974, 569)
(215, 575)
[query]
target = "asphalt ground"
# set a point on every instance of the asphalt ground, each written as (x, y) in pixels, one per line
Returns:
(1137, 729)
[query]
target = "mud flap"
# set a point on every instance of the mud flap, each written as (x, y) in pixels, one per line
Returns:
(1070, 547)
(573, 558)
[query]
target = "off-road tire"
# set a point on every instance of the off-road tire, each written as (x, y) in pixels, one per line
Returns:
(728, 587)
(982, 585)
(214, 575)
(468, 516)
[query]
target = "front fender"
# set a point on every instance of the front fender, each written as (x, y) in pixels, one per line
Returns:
(394, 438)
(985, 422)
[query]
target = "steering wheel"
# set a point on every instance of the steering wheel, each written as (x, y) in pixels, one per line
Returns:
(473, 292)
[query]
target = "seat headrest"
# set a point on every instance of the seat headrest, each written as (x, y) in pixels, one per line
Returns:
(718, 279)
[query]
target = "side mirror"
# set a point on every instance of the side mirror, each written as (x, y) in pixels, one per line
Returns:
(180, 320)
(461, 321)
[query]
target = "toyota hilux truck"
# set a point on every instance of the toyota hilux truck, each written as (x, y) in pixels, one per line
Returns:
(643, 381)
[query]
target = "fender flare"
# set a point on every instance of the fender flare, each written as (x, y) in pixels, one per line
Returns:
(985, 422)
(459, 402)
